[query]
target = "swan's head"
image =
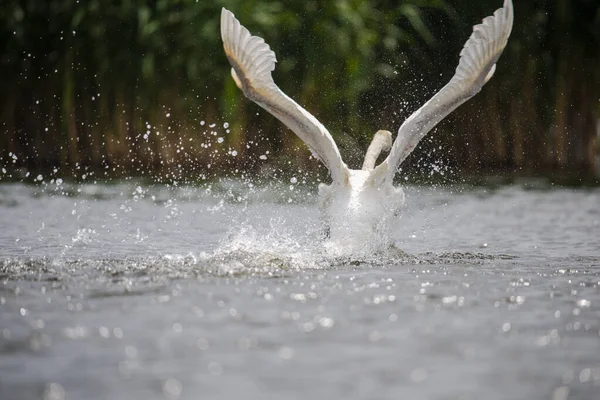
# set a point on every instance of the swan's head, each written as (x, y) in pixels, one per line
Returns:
(359, 213)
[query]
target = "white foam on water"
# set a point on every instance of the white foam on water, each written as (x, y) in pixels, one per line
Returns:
(283, 246)
(275, 247)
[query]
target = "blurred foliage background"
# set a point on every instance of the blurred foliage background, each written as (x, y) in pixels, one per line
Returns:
(142, 87)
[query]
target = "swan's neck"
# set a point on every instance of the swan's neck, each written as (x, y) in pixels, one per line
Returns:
(382, 141)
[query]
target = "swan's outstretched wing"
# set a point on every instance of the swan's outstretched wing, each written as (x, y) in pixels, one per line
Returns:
(252, 61)
(476, 66)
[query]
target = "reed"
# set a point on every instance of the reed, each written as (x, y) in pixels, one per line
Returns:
(131, 88)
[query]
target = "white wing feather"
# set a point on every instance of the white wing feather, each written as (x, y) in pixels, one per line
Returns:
(476, 66)
(252, 61)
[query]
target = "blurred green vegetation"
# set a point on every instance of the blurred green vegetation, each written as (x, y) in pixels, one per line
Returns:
(134, 87)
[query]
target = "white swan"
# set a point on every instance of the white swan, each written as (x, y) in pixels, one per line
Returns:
(359, 205)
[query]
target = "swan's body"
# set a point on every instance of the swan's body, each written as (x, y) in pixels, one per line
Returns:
(360, 204)
(357, 214)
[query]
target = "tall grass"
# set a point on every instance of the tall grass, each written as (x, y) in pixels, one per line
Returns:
(130, 88)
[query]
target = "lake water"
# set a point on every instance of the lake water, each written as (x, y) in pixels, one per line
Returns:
(133, 291)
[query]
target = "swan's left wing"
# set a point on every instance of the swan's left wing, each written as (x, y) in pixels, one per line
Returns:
(476, 66)
(252, 61)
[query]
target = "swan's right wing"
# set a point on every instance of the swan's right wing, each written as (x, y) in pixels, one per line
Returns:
(252, 61)
(476, 66)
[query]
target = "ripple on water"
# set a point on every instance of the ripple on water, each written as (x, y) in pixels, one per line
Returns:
(228, 261)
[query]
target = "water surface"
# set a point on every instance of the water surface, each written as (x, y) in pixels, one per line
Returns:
(225, 291)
